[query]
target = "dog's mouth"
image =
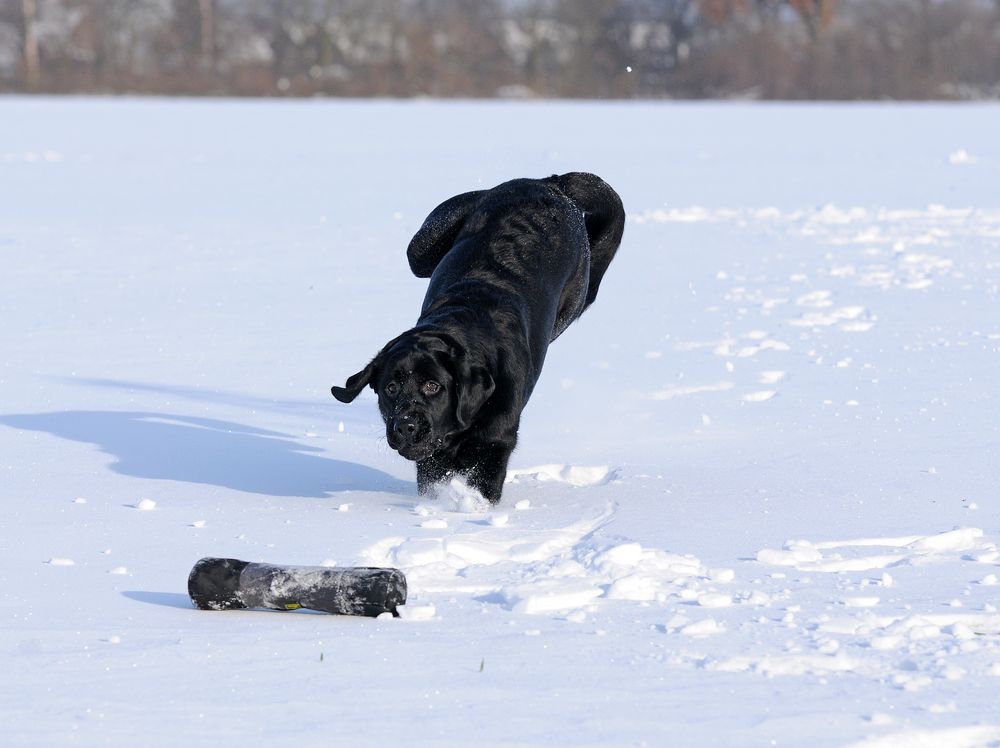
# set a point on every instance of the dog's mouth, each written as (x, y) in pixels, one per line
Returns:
(412, 435)
(414, 453)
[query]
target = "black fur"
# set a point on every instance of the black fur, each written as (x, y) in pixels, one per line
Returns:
(510, 268)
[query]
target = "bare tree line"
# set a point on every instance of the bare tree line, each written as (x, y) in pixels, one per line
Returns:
(771, 49)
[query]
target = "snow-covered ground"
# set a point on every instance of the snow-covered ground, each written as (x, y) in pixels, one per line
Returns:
(756, 497)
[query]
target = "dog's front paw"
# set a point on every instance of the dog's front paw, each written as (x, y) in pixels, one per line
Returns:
(488, 480)
(430, 476)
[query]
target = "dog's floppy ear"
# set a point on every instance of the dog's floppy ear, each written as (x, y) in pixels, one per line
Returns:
(475, 385)
(356, 382)
(433, 240)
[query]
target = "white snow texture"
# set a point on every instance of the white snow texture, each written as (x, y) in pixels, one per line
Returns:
(755, 496)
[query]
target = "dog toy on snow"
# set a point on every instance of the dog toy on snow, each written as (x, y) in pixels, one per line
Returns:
(229, 584)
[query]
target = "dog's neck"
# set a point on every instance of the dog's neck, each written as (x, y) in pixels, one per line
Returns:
(476, 326)
(474, 306)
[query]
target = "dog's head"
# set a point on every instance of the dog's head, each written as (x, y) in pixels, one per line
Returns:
(429, 390)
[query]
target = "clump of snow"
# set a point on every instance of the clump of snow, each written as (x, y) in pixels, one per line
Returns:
(721, 575)
(144, 505)
(960, 157)
(861, 601)
(545, 596)
(671, 391)
(915, 549)
(574, 475)
(789, 664)
(714, 600)
(416, 612)
(704, 627)
(554, 571)
(880, 718)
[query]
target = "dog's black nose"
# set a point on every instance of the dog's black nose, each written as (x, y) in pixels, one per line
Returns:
(405, 428)
(410, 429)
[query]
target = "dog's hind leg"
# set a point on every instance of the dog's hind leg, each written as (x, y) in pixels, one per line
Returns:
(605, 219)
(437, 234)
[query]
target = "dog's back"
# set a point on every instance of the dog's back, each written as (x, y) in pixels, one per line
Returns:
(540, 246)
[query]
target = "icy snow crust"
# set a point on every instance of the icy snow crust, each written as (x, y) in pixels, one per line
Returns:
(755, 498)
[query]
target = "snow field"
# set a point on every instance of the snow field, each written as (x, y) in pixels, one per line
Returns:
(754, 500)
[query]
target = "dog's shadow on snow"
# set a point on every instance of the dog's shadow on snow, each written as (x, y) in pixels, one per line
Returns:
(205, 450)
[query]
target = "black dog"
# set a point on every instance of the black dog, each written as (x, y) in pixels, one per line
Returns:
(510, 269)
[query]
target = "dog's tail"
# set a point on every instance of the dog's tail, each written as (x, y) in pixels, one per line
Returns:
(604, 216)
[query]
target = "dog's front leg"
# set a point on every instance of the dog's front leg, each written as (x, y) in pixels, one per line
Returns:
(430, 472)
(488, 473)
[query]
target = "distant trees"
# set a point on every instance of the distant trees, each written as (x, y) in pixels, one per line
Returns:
(835, 49)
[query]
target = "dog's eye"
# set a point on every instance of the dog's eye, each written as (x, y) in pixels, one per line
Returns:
(430, 387)
(391, 389)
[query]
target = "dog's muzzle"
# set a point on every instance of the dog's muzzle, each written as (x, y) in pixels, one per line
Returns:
(409, 433)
